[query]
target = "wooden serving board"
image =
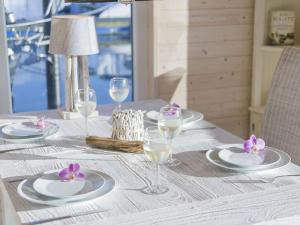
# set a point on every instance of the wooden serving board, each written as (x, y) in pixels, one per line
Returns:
(115, 145)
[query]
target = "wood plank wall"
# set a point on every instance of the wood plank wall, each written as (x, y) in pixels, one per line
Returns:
(203, 57)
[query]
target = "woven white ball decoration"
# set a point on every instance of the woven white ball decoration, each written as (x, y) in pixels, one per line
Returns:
(128, 125)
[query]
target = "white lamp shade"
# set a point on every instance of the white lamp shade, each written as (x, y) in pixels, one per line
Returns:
(73, 35)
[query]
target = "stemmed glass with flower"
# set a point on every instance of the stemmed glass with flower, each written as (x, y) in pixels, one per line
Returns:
(169, 124)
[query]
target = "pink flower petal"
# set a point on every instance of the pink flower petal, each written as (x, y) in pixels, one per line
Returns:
(253, 139)
(64, 174)
(260, 144)
(71, 172)
(41, 124)
(81, 176)
(71, 167)
(74, 167)
(248, 146)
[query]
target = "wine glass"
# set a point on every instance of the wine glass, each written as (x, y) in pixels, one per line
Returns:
(169, 125)
(85, 104)
(118, 89)
(157, 151)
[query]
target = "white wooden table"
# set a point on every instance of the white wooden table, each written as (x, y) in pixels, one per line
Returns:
(200, 193)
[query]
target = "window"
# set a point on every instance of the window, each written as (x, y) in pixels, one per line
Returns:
(38, 78)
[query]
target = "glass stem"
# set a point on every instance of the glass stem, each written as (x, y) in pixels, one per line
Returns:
(86, 126)
(157, 178)
(170, 149)
(119, 106)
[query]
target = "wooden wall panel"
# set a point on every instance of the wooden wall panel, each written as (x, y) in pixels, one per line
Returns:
(234, 124)
(220, 95)
(207, 65)
(206, 82)
(203, 57)
(206, 4)
(219, 80)
(207, 17)
(182, 35)
(204, 50)
(224, 110)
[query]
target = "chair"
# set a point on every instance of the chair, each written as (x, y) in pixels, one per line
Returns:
(281, 121)
(8, 214)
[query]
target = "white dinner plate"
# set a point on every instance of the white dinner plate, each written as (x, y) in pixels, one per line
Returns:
(213, 157)
(19, 140)
(26, 191)
(196, 116)
(235, 155)
(21, 130)
(50, 185)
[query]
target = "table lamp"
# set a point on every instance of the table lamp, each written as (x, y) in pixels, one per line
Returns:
(75, 37)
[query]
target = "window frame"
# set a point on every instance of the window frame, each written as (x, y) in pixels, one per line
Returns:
(142, 53)
(143, 70)
(5, 89)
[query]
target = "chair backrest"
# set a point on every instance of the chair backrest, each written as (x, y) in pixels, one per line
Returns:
(281, 122)
(8, 214)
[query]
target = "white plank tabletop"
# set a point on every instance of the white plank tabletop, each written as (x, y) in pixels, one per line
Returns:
(234, 209)
(295, 220)
(8, 214)
(200, 193)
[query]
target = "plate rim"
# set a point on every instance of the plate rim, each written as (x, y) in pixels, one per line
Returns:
(185, 123)
(186, 110)
(241, 166)
(19, 136)
(61, 202)
(282, 162)
(28, 140)
(74, 196)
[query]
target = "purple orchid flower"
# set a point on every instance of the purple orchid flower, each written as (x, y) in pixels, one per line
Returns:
(41, 123)
(173, 108)
(72, 172)
(254, 145)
